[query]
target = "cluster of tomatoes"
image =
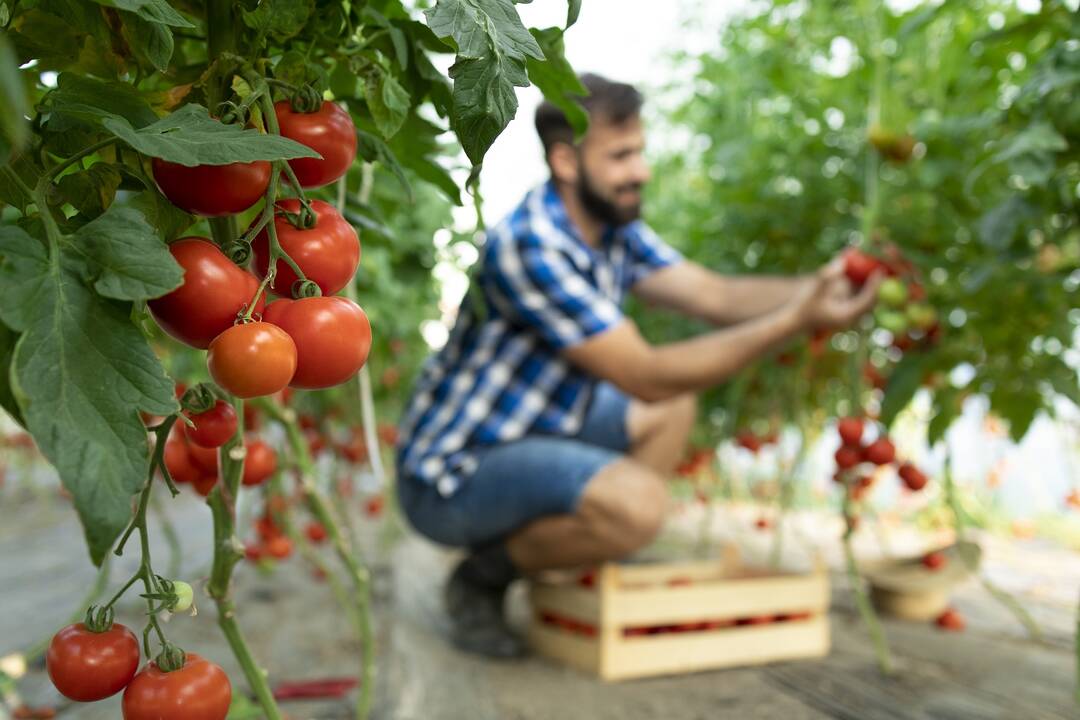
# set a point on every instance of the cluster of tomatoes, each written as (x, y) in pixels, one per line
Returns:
(257, 348)
(88, 663)
(853, 454)
(903, 311)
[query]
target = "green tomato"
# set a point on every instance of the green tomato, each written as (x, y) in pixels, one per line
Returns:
(893, 292)
(185, 596)
(894, 322)
(922, 316)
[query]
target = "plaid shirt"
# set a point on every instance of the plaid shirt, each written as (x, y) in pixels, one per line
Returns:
(501, 374)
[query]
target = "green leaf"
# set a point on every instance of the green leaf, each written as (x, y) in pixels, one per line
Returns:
(151, 41)
(158, 11)
(1017, 402)
(91, 191)
(78, 98)
(946, 409)
(191, 137)
(169, 220)
(483, 27)
(484, 102)
(81, 372)
(903, 383)
(372, 149)
(126, 257)
(1038, 137)
(387, 100)
(28, 170)
(557, 80)
(7, 397)
(14, 130)
(998, 226)
(281, 19)
(572, 12)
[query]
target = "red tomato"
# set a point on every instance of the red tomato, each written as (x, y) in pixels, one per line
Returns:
(374, 506)
(847, 457)
(850, 430)
(214, 427)
(748, 440)
(935, 560)
(214, 292)
(951, 619)
(329, 132)
(316, 532)
(253, 552)
(260, 463)
(212, 190)
(179, 462)
(332, 336)
(328, 253)
(198, 691)
(279, 547)
(388, 433)
(205, 484)
(880, 452)
(87, 666)
(858, 266)
(252, 359)
(266, 528)
(912, 477)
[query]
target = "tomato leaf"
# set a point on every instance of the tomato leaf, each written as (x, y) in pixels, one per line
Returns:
(373, 149)
(28, 170)
(7, 397)
(126, 257)
(191, 137)
(492, 47)
(169, 220)
(151, 41)
(557, 80)
(81, 372)
(281, 19)
(572, 12)
(91, 191)
(158, 11)
(387, 100)
(84, 99)
(998, 226)
(904, 381)
(14, 131)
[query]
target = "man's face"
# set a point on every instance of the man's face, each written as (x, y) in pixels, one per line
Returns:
(612, 171)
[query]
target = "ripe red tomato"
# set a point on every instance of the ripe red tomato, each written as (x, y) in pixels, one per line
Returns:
(316, 532)
(328, 253)
(332, 336)
(252, 359)
(847, 457)
(86, 666)
(374, 506)
(214, 427)
(935, 560)
(951, 619)
(198, 691)
(279, 547)
(858, 266)
(179, 462)
(329, 132)
(850, 430)
(205, 460)
(748, 440)
(215, 290)
(260, 463)
(212, 190)
(912, 477)
(205, 484)
(880, 452)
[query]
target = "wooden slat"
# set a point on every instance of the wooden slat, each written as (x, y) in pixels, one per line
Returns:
(567, 600)
(576, 651)
(689, 652)
(723, 599)
(660, 573)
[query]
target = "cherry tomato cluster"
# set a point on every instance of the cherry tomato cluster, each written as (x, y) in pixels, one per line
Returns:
(87, 665)
(853, 453)
(754, 442)
(271, 542)
(903, 311)
(310, 342)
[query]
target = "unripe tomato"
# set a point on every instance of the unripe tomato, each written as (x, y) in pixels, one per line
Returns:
(329, 131)
(327, 253)
(214, 427)
(86, 666)
(198, 691)
(332, 337)
(893, 292)
(212, 190)
(252, 359)
(214, 292)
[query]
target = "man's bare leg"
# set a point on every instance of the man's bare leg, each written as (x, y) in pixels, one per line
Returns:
(659, 431)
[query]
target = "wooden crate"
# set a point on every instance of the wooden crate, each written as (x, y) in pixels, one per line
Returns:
(675, 617)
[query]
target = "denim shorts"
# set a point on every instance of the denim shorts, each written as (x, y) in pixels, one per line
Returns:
(520, 481)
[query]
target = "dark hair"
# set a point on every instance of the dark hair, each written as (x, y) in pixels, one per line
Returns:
(612, 102)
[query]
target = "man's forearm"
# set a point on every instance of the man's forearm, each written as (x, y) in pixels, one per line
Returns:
(707, 360)
(737, 299)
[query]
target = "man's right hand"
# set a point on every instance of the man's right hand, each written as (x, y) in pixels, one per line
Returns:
(829, 301)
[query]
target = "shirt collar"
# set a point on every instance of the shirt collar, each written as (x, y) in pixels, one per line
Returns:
(556, 210)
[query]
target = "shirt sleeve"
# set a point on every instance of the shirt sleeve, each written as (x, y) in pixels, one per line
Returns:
(537, 286)
(647, 253)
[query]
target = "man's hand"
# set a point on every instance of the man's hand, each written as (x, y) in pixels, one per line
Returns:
(827, 299)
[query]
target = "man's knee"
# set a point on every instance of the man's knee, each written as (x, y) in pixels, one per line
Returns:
(627, 505)
(650, 418)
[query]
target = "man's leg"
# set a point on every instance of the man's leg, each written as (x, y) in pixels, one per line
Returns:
(659, 431)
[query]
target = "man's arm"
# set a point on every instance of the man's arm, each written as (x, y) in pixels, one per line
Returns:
(654, 373)
(692, 289)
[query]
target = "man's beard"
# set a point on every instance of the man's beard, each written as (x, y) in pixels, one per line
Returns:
(604, 210)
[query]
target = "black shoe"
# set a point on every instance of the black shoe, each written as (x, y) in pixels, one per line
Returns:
(475, 609)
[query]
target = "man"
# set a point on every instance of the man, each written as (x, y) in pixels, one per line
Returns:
(541, 435)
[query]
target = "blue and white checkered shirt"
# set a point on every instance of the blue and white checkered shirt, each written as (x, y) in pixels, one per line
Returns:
(501, 374)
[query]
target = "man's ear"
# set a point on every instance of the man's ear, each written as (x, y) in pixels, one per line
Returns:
(563, 159)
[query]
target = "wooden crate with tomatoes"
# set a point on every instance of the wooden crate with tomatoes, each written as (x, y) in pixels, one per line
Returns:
(624, 621)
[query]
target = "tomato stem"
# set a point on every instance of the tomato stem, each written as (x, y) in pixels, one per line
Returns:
(862, 600)
(89, 150)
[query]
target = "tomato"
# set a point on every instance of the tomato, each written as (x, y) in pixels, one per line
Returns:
(880, 452)
(893, 292)
(858, 266)
(252, 420)
(252, 359)
(214, 427)
(204, 459)
(316, 532)
(912, 477)
(332, 337)
(315, 440)
(88, 666)
(205, 484)
(374, 506)
(935, 560)
(266, 528)
(893, 321)
(389, 434)
(329, 132)
(748, 440)
(850, 430)
(185, 595)
(763, 523)
(951, 620)
(279, 547)
(214, 292)
(198, 691)
(179, 462)
(922, 316)
(328, 253)
(260, 463)
(253, 552)
(212, 190)
(847, 457)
